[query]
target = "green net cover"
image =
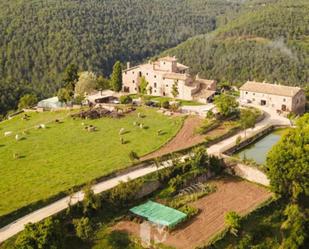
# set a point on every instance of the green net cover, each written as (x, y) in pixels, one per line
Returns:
(159, 214)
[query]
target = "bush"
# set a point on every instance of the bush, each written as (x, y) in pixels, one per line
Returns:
(133, 156)
(83, 228)
(124, 193)
(189, 211)
(165, 104)
(232, 220)
(125, 99)
(46, 234)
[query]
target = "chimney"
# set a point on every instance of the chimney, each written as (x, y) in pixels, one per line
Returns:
(128, 65)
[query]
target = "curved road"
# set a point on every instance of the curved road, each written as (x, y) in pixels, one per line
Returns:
(271, 118)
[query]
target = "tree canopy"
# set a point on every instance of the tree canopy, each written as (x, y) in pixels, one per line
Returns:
(288, 162)
(116, 79)
(226, 104)
(254, 46)
(26, 101)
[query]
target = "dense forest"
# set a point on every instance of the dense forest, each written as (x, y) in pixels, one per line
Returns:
(270, 44)
(39, 38)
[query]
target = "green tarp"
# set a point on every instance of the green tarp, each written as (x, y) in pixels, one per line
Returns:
(159, 214)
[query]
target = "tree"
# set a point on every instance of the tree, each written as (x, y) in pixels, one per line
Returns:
(83, 228)
(116, 79)
(64, 95)
(175, 91)
(247, 119)
(46, 234)
(102, 83)
(90, 202)
(86, 83)
(70, 77)
(288, 162)
(293, 227)
(143, 86)
(226, 104)
(26, 101)
(232, 220)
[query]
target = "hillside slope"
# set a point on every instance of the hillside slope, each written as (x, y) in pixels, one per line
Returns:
(38, 39)
(269, 44)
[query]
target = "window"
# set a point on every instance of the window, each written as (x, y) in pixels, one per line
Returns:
(284, 100)
(132, 72)
(246, 92)
(155, 85)
(166, 85)
(253, 99)
(146, 73)
(155, 76)
(163, 78)
(135, 88)
(133, 81)
(253, 93)
(125, 72)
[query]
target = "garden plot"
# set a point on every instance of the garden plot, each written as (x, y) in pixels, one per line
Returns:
(232, 194)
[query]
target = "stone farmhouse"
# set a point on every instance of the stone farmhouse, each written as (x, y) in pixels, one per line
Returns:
(278, 97)
(162, 74)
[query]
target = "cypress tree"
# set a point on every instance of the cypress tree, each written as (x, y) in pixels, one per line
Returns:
(116, 79)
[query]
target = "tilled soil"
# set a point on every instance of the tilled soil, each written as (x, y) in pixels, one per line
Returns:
(232, 194)
(186, 137)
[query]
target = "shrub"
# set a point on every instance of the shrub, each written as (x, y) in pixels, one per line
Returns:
(125, 99)
(189, 211)
(133, 156)
(91, 202)
(232, 220)
(46, 234)
(165, 104)
(83, 228)
(124, 193)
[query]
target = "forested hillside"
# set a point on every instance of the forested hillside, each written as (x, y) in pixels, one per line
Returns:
(269, 44)
(39, 38)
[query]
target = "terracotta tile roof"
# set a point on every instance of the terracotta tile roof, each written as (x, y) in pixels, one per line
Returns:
(167, 58)
(252, 86)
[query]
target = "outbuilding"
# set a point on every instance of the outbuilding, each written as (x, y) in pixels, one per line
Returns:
(278, 97)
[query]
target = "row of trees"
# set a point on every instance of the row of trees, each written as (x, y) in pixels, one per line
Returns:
(79, 84)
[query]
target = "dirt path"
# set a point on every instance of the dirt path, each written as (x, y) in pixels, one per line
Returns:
(185, 138)
(232, 195)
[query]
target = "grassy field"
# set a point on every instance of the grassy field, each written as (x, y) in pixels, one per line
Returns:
(161, 99)
(64, 155)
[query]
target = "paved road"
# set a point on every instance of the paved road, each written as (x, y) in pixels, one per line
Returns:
(60, 205)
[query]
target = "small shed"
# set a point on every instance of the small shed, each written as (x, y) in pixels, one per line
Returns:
(159, 214)
(51, 103)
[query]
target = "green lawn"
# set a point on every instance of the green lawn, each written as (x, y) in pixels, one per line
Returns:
(161, 99)
(64, 155)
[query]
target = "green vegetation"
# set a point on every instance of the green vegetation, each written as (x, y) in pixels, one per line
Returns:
(227, 105)
(116, 78)
(64, 154)
(93, 35)
(232, 221)
(254, 45)
(160, 99)
(288, 162)
(26, 101)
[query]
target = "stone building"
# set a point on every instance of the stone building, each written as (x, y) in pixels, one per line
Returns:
(279, 97)
(162, 74)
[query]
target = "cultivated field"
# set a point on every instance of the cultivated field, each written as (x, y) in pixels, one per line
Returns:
(232, 194)
(64, 154)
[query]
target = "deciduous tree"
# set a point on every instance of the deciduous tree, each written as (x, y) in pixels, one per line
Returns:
(27, 101)
(288, 162)
(226, 104)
